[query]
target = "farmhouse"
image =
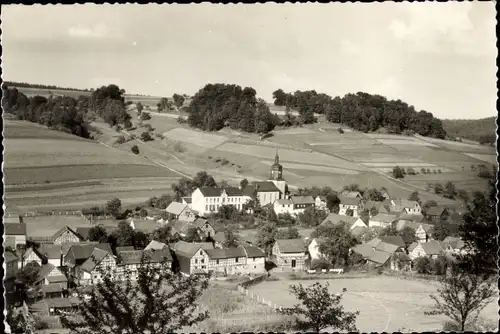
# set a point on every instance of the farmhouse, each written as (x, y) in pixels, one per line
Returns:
(320, 203)
(203, 226)
(210, 199)
(255, 259)
(66, 235)
(15, 234)
(431, 249)
(181, 212)
(154, 245)
(144, 225)
(226, 261)
(384, 253)
(11, 264)
(377, 207)
(349, 203)
(78, 254)
(282, 206)
(30, 255)
(382, 220)
(407, 206)
(50, 274)
(192, 257)
(290, 253)
(55, 254)
(54, 306)
(265, 191)
(351, 194)
(422, 231)
(455, 245)
(130, 261)
(351, 222)
(95, 266)
(437, 214)
(294, 205)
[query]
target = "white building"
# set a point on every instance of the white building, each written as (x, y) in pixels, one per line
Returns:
(403, 205)
(294, 205)
(349, 203)
(210, 199)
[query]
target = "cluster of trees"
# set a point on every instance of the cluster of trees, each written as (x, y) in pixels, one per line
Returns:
(364, 112)
(109, 103)
(62, 113)
(480, 130)
(218, 105)
(28, 85)
(184, 187)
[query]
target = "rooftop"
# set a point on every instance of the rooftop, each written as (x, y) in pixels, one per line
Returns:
(291, 245)
(14, 229)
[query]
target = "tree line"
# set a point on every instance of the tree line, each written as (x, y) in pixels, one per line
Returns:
(68, 114)
(363, 112)
(29, 85)
(218, 105)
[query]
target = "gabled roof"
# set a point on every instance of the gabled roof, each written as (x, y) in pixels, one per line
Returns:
(455, 243)
(384, 218)
(401, 224)
(264, 186)
(200, 222)
(188, 200)
(335, 219)
(253, 251)
(411, 217)
(176, 208)
(44, 271)
(302, 199)
(226, 253)
(291, 245)
(52, 288)
(352, 194)
(433, 247)
(124, 249)
(210, 191)
(14, 228)
(393, 240)
(10, 256)
(145, 225)
(50, 251)
(150, 256)
(94, 259)
(283, 201)
(154, 245)
(188, 249)
(349, 200)
(436, 210)
(404, 203)
(57, 279)
(63, 230)
(82, 252)
(372, 254)
(359, 230)
(233, 191)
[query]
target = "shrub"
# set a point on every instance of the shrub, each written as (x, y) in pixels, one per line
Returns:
(145, 136)
(224, 162)
(423, 171)
(120, 140)
(320, 264)
(145, 116)
(423, 265)
(148, 127)
(340, 130)
(398, 172)
(181, 120)
(135, 149)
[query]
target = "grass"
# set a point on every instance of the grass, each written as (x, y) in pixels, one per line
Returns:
(44, 226)
(198, 138)
(385, 303)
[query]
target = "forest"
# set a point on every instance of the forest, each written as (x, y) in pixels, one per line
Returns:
(481, 130)
(363, 112)
(28, 85)
(218, 105)
(66, 113)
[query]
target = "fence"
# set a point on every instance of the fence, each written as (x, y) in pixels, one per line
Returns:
(243, 289)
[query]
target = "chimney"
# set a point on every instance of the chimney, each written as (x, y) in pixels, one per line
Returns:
(61, 258)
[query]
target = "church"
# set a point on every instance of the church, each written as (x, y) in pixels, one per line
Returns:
(271, 190)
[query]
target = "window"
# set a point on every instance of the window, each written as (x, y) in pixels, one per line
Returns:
(201, 252)
(253, 259)
(217, 261)
(236, 259)
(195, 260)
(206, 207)
(203, 267)
(202, 261)
(294, 263)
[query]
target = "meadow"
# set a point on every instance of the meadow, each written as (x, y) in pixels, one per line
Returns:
(386, 304)
(46, 226)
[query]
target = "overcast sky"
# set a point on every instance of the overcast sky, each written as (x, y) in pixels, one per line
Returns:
(439, 57)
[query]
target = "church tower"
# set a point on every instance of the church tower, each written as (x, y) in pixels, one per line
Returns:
(276, 176)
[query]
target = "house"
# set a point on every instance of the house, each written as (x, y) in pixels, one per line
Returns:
(53, 290)
(349, 203)
(265, 191)
(210, 199)
(320, 203)
(144, 225)
(130, 261)
(78, 254)
(276, 176)
(255, 259)
(290, 253)
(431, 249)
(455, 245)
(187, 200)
(282, 206)
(96, 265)
(407, 206)
(11, 264)
(378, 207)
(66, 235)
(422, 231)
(382, 220)
(301, 203)
(56, 306)
(192, 257)
(50, 274)
(395, 240)
(226, 261)
(313, 248)
(351, 194)
(15, 234)
(202, 225)
(181, 212)
(55, 254)
(384, 253)
(30, 255)
(351, 222)
(153, 245)
(437, 214)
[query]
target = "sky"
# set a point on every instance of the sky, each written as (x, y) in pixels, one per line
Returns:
(438, 57)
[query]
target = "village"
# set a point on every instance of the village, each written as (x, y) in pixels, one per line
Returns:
(68, 261)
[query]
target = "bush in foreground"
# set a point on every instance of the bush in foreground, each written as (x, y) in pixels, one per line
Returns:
(135, 149)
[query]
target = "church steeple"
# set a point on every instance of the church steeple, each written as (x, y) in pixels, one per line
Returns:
(276, 168)
(277, 158)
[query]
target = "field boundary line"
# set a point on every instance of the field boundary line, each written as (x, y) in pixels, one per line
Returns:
(381, 304)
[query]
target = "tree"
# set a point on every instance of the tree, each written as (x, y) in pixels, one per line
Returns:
(411, 171)
(450, 190)
(311, 217)
(462, 297)
(230, 239)
(349, 212)
(192, 235)
(438, 188)
(163, 234)
(332, 203)
(373, 195)
(135, 149)
(414, 196)
(463, 195)
(397, 172)
(139, 107)
(145, 136)
(157, 302)
(98, 233)
(25, 279)
(290, 233)
(113, 207)
(124, 235)
(266, 236)
(428, 205)
(479, 233)
(140, 240)
(423, 265)
(338, 240)
(320, 309)
(388, 231)
(271, 215)
(178, 100)
(408, 235)
(243, 183)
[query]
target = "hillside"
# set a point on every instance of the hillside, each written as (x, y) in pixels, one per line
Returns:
(46, 167)
(479, 130)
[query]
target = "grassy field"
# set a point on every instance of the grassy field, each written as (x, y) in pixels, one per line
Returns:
(386, 304)
(45, 226)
